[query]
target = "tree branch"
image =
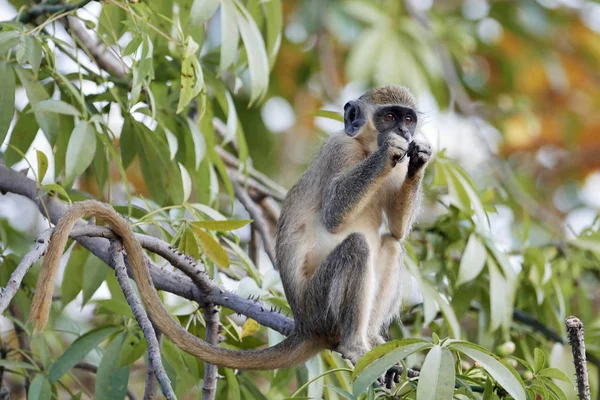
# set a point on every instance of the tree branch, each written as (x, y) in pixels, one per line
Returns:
(47, 8)
(150, 386)
(142, 319)
(211, 318)
(14, 283)
(575, 334)
(174, 282)
(259, 222)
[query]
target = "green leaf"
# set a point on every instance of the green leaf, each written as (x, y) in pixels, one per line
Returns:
(80, 151)
(329, 114)
(40, 388)
(201, 11)
(227, 225)
(67, 124)
(55, 187)
(473, 260)
(111, 380)
(274, 18)
(132, 46)
(229, 34)
(94, 274)
(199, 143)
(77, 351)
(8, 40)
(192, 78)
(34, 53)
(555, 373)
(17, 365)
(47, 121)
(539, 360)
(258, 62)
(7, 98)
(42, 165)
(127, 145)
(233, 387)
(72, 282)
(116, 306)
(21, 138)
(133, 348)
(500, 307)
(506, 376)
(56, 106)
(436, 380)
(188, 244)
(211, 248)
(377, 361)
(162, 176)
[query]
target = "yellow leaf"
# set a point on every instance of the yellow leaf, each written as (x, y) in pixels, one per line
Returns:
(249, 327)
(211, 247)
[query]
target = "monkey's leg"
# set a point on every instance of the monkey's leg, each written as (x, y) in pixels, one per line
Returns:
(401, 212)
(339, 297)
(388, 273)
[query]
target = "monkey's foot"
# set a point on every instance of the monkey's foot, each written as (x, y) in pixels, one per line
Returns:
(376, 340)
(352, 352)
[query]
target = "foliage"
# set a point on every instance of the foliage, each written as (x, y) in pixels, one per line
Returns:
(150, 134)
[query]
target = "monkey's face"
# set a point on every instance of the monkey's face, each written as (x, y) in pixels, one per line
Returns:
(388, 119)
(395, 120)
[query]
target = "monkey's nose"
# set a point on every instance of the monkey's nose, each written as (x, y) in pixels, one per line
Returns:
(405, 134)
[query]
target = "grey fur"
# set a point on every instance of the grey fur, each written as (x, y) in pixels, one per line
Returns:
(337, 207)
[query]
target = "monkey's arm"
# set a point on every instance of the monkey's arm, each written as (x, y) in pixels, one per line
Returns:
(403, 207)
(348, 193)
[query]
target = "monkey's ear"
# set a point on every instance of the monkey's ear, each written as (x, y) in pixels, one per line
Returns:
(353, 118)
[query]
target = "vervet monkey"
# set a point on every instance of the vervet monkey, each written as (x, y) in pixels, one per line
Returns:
(340, 274)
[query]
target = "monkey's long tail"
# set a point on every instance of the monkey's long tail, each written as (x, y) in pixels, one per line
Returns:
(292, 351)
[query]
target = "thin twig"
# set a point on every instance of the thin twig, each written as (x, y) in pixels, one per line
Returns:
(95, 49)
(211, 318)
(254, 247)
(259, 222)
(150, 392)
(84, 366)
(14, 283)
(575, 334)
(142, 319)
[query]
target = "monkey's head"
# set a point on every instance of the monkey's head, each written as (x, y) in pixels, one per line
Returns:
(383, 110)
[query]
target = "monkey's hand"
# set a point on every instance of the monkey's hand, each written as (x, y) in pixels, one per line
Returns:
(419, 152)
(395, 149)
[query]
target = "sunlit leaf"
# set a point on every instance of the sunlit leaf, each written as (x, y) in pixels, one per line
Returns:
(56, 106)
(250, 327)
(7, 98)
(226, 225)
(48, 121)
(506, 376)
(258, 62)
(473, 260)
(377, 361)
(80, 151)
(211, 247)
(42, 165)
(229, 34)
(436, 379)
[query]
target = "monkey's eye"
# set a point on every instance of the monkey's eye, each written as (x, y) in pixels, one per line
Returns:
(408, 119)
(390, 117)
